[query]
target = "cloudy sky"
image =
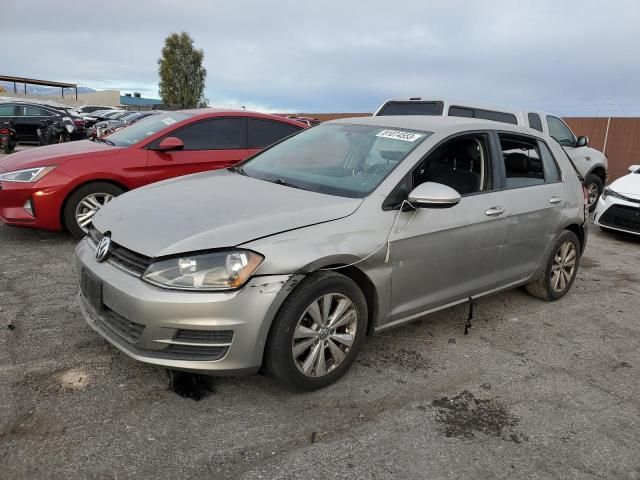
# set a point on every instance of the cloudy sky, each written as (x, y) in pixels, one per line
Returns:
(568, 57)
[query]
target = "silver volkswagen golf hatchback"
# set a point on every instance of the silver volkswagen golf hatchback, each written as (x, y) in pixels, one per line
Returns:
(289, 259)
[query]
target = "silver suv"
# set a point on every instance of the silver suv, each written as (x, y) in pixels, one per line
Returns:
(291, 258)
(591, 163)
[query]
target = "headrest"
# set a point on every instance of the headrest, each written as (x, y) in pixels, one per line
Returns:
(516, 162)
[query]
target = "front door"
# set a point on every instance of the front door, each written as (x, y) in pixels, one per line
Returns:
(446, 255)
(208, 145)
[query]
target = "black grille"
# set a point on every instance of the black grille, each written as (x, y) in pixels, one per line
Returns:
(122, 257)
(621, 216)
(188, 352)
(119, 326)
(204, 336)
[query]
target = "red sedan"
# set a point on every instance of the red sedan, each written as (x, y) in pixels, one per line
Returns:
(62, 186)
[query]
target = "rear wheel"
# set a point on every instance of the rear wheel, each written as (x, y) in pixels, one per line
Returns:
(560, 271)
(83, 204)
(318, 332)
(594, 188)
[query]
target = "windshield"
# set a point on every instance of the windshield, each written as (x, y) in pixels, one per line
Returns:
(337, 159)
(145, 128)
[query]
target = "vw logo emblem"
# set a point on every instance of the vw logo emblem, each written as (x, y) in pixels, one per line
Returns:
(103, 249)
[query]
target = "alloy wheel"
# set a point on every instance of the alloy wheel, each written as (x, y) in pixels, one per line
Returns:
(564, 265)
(592, 194)
(88, 206)
(324, 335)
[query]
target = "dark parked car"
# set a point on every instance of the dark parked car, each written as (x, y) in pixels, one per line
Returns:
(28, 117)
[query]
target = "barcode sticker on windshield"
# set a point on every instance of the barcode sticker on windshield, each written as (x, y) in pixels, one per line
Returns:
(169, 121)
(400, 135)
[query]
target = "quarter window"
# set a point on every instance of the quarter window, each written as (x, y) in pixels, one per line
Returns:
(214, 134)
(559, 130)
(263, 133)
(549, 165)
(534, 121)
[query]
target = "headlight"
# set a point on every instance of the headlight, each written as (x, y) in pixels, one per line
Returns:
(27, 175)
(607, 191)
(205, 271)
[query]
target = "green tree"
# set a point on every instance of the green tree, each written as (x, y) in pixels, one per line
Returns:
(181, 72)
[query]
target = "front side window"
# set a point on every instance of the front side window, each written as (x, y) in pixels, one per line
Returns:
(7, 110)
(559, 130)
(36, 112)
(263, 133)
(411, 108)
(523, 162)
(214, 134)
(461, 163)
(145, 128)
(337, 159)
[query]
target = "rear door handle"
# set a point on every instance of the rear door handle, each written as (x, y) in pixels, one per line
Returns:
(555, 200)
(495, 211)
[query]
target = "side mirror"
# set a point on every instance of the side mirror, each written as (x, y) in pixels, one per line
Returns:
(634, 168)
(433, 195)
(582, 142)
(170, 143)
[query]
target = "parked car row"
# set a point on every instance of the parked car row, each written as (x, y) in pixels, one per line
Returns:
(282, 246)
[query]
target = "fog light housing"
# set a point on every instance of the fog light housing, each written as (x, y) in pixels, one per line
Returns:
(28, 206)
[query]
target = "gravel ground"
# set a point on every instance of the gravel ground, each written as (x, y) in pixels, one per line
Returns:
(536, 390)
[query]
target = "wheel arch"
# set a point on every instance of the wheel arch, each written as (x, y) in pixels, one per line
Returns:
(82, 184)
(580, 233)
(600, 171)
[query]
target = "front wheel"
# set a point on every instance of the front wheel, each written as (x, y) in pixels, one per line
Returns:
(83, 204)
(318, 332)
(594, 188)
(560, 270)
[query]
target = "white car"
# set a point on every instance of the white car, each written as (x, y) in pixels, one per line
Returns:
(591, 163)
(619, 205)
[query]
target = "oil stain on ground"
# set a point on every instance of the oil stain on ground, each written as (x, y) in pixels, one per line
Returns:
(464, 415)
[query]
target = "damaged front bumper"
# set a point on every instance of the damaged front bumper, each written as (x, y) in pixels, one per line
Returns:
(221, 332)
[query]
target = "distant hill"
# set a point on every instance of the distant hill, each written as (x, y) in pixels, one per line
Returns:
(40, 90)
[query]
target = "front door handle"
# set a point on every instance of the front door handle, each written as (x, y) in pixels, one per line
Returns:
(495, 211)
(555, 200)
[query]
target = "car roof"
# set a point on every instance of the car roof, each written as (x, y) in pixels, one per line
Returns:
(236, 112)
(468, 103)
(436, 123)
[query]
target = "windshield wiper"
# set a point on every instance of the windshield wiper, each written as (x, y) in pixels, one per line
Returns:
(239, 170)
(104, 140)
(280, 181)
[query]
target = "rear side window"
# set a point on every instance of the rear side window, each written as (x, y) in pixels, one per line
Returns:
(559, 130)
(411, 108)
(495, 116)
(534, 121)
(214, 134)
(263, 133)
(523, 163)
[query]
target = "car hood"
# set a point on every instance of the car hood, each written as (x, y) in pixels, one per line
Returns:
(628, 185)
(54, 154)
(212, 210)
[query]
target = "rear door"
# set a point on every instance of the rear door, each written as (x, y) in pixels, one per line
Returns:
(263, 132)
(533, 196)
(209, 144)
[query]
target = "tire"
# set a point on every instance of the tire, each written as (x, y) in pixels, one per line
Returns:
(101, 192)
(294, 317)
(594, 185)
(545, 287)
